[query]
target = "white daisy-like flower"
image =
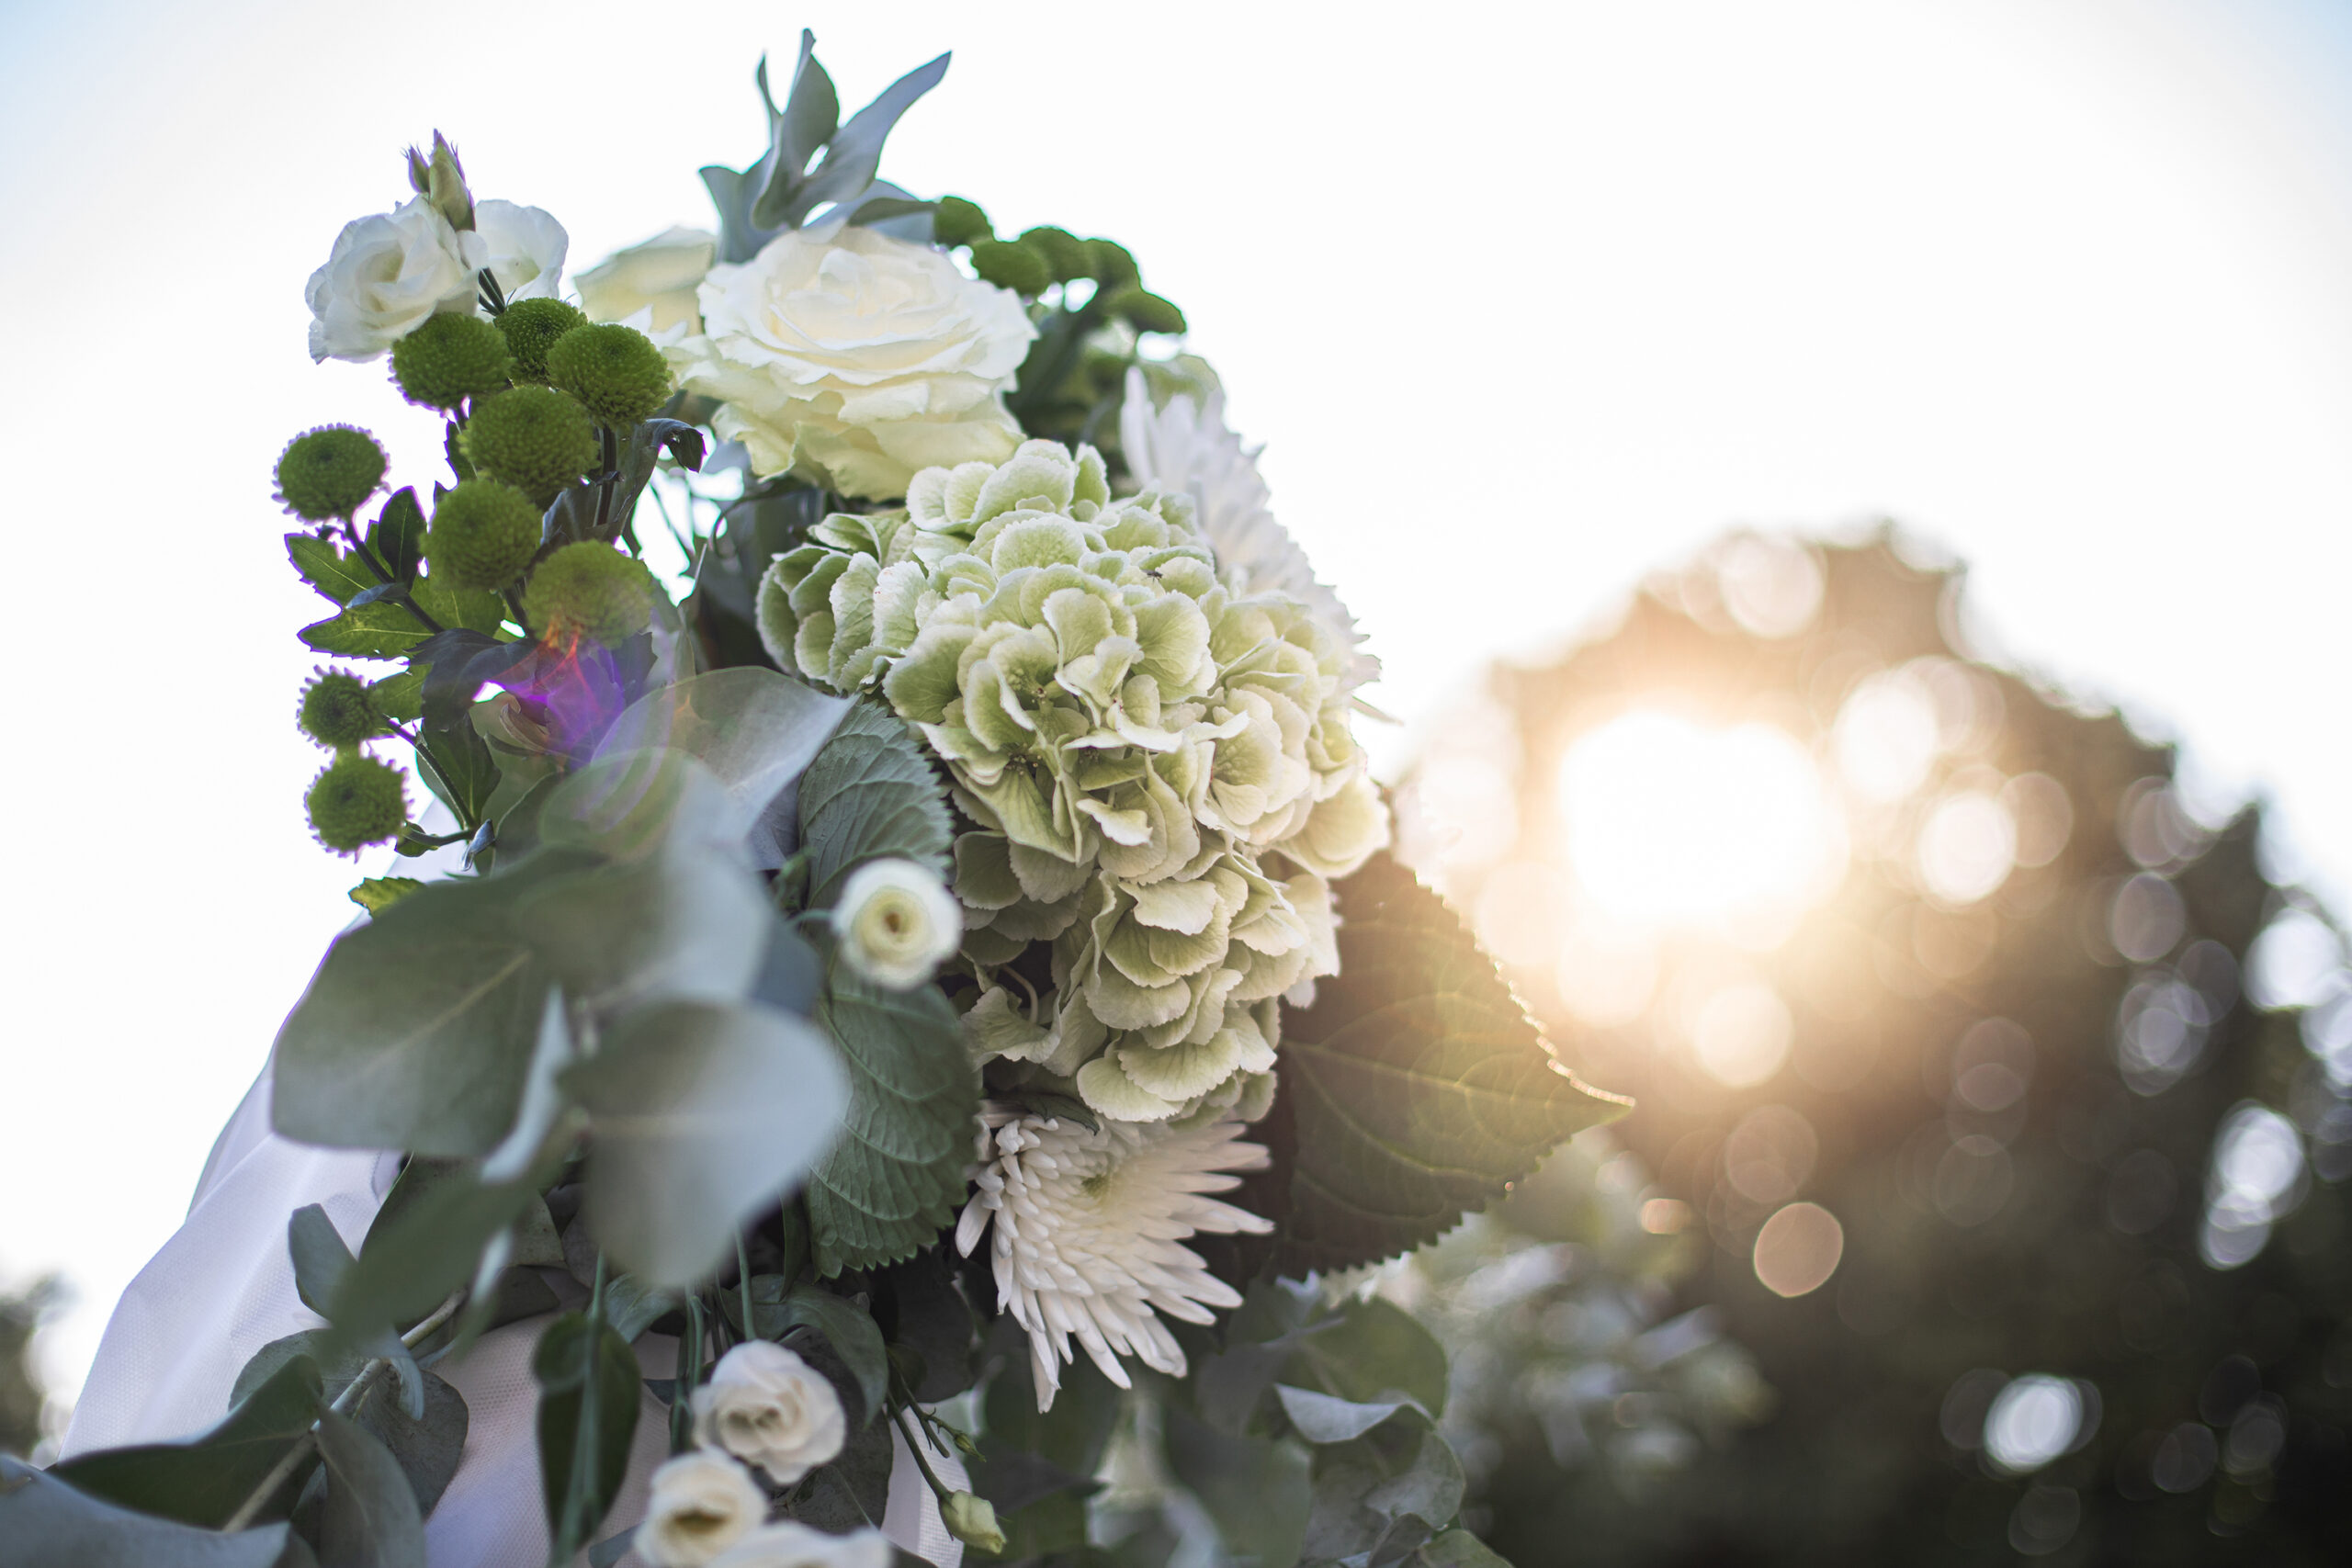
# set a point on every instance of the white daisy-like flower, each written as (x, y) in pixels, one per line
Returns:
(1090, 1231)
(1188, 448)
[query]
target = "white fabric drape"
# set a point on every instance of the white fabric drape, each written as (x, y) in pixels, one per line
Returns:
(223, 1286)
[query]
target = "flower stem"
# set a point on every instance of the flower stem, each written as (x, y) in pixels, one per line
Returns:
(351, 1394)
(915, 1446)
(743, 1267)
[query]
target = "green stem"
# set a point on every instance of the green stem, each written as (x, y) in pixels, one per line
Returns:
(915, 1446)
(610, 479)
(353, 1392)
(361, 548)
(743, 1267)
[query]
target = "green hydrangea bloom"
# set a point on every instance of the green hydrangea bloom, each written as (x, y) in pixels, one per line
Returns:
(452, 356)
(590, 590)
(1161, 768)
(534, 438)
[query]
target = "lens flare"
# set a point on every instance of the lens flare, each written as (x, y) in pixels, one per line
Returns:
(1672, 824)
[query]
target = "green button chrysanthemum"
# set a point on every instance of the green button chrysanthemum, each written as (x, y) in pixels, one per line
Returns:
(452, 356)
(329, 472)
(535, 438)
(482, 535)
(590, 590)
(532, 327)
(338, 710)
(615, 371)
(356, 802)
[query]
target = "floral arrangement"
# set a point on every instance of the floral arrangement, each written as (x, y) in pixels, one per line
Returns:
(928, 974)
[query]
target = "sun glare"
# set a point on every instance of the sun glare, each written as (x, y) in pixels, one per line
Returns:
(1672, 824)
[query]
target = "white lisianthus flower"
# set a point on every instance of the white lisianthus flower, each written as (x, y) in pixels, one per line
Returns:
(658, 276)
(386, 274)
(1089, 1230)
(1188, 448)
(856, 359)
(526, 248)
(770, 1409)
(702, 1504)
(897, 923)
(789, 1545)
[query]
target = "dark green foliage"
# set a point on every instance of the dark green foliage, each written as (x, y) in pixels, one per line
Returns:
(588, 1410)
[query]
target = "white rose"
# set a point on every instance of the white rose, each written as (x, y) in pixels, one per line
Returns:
(768, 1408)
(788, 1545)
(702, 1504)
(856, 359)
(526, 249)
(660, 276)
(386, 275)
(897, 923)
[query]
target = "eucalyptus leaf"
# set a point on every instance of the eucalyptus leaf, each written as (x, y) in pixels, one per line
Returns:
(688, 923)
(701, 1115)
(754, 730)
(371, 1519)
(871, 793)
(203, 1480)
(588, 1410)
(320, 1258)
(1373, 1351)
(1417, 1085)
(1256, 1489)
(418, 1029)
(894, 1178)
(632, 1306)
(46, 1523)
(434, 1244)
(791, 977)
(1324, 1418)
(1385, 1492)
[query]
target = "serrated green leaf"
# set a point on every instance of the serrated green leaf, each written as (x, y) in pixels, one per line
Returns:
(402, 696)
(474, 609)
(384, 629)
(871, 793)
(702, 1114)
(1417, 1085)
(417, 1031)
(44, 1522)
(328, 569)
(202, 1481)
(894, 1180)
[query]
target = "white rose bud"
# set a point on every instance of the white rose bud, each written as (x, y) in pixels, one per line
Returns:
(896, 922)
(770, 1409)
(527, 249)
(972, 1520)
(703, 1503)
(856, 359)
(386, 275)
(659, 276)
(788, 1545)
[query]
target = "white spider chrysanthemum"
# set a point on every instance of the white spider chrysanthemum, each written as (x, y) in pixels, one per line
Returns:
(1188, 448)
(1090, 1232)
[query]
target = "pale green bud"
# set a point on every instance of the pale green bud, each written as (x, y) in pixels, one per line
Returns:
(441, 180)
(972, 1520)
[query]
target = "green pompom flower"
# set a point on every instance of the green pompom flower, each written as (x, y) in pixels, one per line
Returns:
(1148, 311)
(339, 710)
(589, 590)
(534, 438)
(1009, 264)
(1064, 252)
(327, 472)
(482, 535)
(959, 222)
(356, 802)
(532, 327)
(452, 356)
(615, 371)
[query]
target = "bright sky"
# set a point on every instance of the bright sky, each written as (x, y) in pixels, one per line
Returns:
(1526, 300)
